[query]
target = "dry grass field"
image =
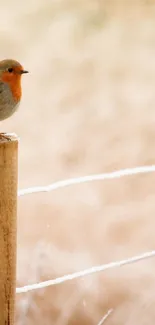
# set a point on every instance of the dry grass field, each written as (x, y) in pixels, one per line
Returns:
(88, 107)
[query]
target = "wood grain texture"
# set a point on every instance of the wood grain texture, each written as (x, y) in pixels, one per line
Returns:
(8, 229)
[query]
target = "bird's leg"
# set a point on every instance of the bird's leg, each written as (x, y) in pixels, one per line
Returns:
(3, 136)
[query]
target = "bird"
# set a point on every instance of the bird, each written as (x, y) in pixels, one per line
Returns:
(11, 72)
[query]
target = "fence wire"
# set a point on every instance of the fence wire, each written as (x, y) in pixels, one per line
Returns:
(80, 180)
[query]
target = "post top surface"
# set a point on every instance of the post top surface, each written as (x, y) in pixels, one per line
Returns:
(8, 137)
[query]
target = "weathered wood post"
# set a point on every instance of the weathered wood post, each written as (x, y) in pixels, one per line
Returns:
(8, 229)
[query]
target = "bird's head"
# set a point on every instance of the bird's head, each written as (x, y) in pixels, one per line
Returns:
(10, 73)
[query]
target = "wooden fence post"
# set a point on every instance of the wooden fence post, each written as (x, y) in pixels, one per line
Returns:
(8, 218)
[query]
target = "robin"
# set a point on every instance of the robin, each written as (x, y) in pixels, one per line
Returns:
(11, 72)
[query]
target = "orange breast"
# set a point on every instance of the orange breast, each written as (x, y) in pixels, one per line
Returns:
(14, 81)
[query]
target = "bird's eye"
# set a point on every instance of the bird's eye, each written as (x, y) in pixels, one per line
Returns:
(10, 70)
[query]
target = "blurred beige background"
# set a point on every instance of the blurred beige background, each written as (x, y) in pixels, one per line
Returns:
(88, 107)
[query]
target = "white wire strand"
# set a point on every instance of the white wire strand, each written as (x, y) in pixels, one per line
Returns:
(105, 317)
(90, 178)
(94, 269)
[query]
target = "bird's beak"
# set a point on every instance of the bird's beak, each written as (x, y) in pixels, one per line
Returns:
(24, 71)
